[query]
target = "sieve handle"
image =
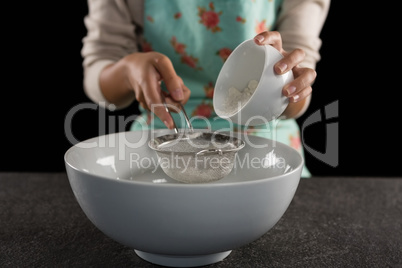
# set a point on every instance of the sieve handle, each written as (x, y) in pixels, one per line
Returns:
(182, 110)
(209, 151)
(186, 117)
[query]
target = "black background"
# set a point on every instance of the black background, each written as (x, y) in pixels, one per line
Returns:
(42, 81)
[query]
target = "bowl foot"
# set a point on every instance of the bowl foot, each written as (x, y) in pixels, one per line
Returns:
(182, 261)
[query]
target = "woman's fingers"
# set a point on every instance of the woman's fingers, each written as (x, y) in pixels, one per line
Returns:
(149, 92)
(289, 61)
(300, 87)
(153, 102)
(171, 101)
(173, 83)
(272, 38)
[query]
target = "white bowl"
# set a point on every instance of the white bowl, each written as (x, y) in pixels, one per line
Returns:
(248, 62)
(122, 191)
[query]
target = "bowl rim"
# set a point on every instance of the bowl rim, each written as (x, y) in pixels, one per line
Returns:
(175, 185)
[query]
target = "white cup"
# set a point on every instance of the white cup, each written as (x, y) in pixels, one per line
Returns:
(248, 62)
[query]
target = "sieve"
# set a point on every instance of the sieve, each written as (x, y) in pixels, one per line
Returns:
(176, 130)
(195, 156)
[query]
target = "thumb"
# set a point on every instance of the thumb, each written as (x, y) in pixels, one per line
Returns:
(174, 86)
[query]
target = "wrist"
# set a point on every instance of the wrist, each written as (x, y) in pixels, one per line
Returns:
(114, 84)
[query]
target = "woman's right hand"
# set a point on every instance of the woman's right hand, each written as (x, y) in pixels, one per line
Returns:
(142, 74)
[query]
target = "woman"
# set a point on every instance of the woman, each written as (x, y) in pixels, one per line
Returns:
(131, 46)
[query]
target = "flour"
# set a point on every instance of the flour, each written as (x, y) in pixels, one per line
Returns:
(237, 99)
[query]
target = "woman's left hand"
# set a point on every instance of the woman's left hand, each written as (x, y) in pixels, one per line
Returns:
(300, 87)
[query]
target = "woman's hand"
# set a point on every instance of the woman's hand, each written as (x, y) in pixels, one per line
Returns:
(297, 90)
(141, 74)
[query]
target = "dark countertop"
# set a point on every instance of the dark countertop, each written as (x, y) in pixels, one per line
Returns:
(331, 222)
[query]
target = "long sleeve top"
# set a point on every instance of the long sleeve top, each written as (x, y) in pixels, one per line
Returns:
(114, 30)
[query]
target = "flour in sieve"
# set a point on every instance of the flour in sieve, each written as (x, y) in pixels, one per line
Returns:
(238, 98)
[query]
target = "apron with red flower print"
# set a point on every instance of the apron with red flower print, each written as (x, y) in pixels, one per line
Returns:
(198, 36)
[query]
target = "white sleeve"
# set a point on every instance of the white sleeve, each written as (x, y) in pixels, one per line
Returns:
(110, 37)
(300, 24)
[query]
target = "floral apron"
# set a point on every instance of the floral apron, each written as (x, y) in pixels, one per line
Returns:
(198, 36)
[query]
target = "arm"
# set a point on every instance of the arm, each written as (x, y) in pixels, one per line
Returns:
(115, 72)
(299, 25)
(110, 37)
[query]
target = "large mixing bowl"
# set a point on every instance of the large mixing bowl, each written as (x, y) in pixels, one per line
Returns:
(120, 186)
